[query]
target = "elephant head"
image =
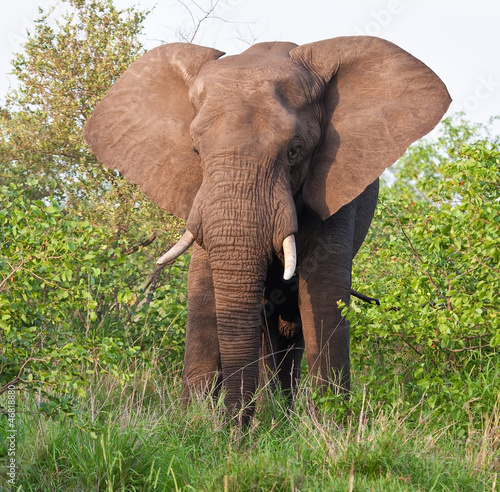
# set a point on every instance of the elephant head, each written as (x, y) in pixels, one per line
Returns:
(232, 144)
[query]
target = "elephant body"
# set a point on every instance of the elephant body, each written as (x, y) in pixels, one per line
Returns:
(292, 309)
(273, 157)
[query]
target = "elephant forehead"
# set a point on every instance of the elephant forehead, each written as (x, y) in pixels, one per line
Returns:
(254, 124)
(244, 78)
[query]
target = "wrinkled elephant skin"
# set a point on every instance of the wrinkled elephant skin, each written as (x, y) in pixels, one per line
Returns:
(276, 149)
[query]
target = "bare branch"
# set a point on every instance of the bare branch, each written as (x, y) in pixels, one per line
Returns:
(208, 14)
(144, 243)
(248, 38)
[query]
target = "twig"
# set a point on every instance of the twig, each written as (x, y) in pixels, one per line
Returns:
(18, 378)
(145, 243)
(409, 344)
(412, 247)
(197, 24)
(417, 255)
(6, 386)
(467, 348)
(485, 265)
(11, 274)
(45, 280)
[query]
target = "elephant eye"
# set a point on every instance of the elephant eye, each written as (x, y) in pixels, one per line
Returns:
(293, 152)
(194, 142)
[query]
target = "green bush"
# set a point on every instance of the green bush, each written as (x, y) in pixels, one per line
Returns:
(71, 270)
(69, 299)
(433, 259)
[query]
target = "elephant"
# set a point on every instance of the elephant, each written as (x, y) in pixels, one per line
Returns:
(273, 158)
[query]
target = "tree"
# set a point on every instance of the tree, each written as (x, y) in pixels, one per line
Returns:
(62, 74)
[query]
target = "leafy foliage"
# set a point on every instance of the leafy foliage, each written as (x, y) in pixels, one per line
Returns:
(66, 68)
(49, 302)
(434, 259)
(69, 301)
(74, 234)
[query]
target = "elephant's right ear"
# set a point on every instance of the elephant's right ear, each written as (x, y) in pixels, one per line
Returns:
(141, 126)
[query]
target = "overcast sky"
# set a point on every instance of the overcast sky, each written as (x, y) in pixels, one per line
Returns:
(458, 39)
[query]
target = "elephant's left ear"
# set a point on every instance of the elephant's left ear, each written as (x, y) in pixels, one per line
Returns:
(378, 99)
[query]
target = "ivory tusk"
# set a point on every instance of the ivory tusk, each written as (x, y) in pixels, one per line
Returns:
(290, 253)
(177, 249)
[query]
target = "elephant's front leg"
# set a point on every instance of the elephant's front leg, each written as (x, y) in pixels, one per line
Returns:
(325, 278)
(202, 367)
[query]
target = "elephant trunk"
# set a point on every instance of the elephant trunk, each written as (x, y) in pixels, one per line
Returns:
(238, 300)
(236, 221)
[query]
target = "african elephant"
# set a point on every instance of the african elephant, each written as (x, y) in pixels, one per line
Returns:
(272, 156)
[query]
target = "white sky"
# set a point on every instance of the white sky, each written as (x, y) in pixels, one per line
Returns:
(458, 39)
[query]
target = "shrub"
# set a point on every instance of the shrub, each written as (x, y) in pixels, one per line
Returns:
(433, 259)
(68, 297)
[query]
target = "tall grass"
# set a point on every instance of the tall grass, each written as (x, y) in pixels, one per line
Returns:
(137, 437)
